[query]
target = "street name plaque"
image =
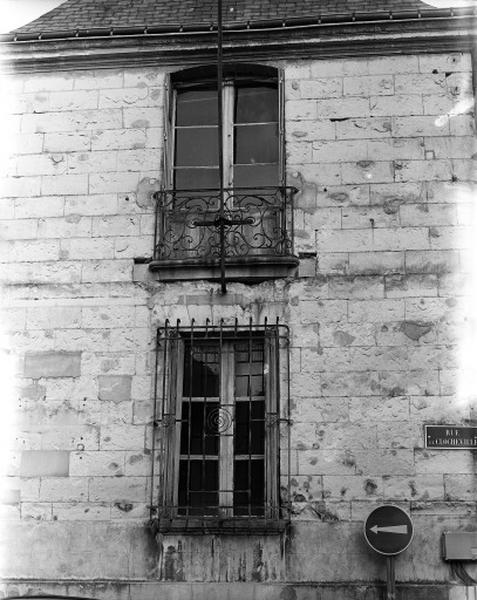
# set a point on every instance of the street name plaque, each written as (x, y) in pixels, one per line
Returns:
(450, 437)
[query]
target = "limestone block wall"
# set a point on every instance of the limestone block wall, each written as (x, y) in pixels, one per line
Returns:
(381, 151)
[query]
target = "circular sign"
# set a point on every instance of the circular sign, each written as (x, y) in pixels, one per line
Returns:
(388, 529)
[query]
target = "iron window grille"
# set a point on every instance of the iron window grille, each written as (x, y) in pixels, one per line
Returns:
(222, 429)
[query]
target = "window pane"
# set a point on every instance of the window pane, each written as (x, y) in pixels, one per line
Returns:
(256, 144)
(257, 104)
(198, 487)
(249, 376)
(197, 146)
(196, 179)
(199, 428)
(249, 385)
(201, 372)
(249, 427)
(249, 487)
(197, 107)
(256, 176)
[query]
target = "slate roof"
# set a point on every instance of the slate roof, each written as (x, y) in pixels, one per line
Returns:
(92, 14)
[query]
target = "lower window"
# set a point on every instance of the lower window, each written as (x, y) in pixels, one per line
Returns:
(221, 423)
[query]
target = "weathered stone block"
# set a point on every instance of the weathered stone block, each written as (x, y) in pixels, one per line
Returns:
(79, 248)
(433, 461)
(103, 183)
(453, 61)
(44, 317)
(368, 85)
(138, 464)
(123, 437)
(378, 410)
(120, 139)
(26, 208)
(73, 489)
(101, 204)
(107, 270)
(15, 187)
(117, 489)
(326, 462)
(115, 226)
(142, 118)
(114, 387)
(52, 364)
(301, 109)
(37, 511)
(99, 463)
(376, 310)
(81, 511)
(64, 184)
(419, 488)
(47, 463)
(347, 487)
(367, 171)
(92, 162)
(98, 79)
(384, 462)
(376, 262)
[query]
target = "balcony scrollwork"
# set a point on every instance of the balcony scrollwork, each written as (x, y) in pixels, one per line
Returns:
(256, 225)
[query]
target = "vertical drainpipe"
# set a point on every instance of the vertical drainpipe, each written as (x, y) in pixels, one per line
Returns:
(473, 57)
(220, 76)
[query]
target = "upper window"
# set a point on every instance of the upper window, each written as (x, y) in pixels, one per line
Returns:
(252, 135)
(250, 221)
(221, 415)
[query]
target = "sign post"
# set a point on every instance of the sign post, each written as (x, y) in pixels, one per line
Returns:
(389, 531)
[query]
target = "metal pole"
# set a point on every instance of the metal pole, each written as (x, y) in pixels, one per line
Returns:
(220, 76)
(390, 579)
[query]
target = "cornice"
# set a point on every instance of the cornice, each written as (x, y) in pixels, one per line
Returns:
(317, 40)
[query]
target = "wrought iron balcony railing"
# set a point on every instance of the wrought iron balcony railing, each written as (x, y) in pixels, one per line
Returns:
(257, 224)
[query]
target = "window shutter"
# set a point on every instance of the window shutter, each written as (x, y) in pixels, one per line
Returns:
(171, 407)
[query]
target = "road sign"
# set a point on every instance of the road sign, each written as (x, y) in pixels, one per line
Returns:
(388, 530)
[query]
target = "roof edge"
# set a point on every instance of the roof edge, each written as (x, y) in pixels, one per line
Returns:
(324, 40)
(274, 24)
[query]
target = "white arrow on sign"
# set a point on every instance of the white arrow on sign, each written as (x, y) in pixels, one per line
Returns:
(390, 529)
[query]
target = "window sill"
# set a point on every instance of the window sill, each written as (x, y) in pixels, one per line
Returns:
(245, 269)
(214, 525)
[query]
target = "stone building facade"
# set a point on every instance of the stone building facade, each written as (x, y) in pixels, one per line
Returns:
(376, 299)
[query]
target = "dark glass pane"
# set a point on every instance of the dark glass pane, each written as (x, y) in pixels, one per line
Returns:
(249, 435)
(257, 436)
(249, 487)
(249, 378)
(256, 176)
(196, 179)
(201, 372)
(257, 104)
(196, 147)
(256, 144)
(198, 487)
(197, 107)
(199, 434)
(249, 385)
(258, 410)
(242, 428)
